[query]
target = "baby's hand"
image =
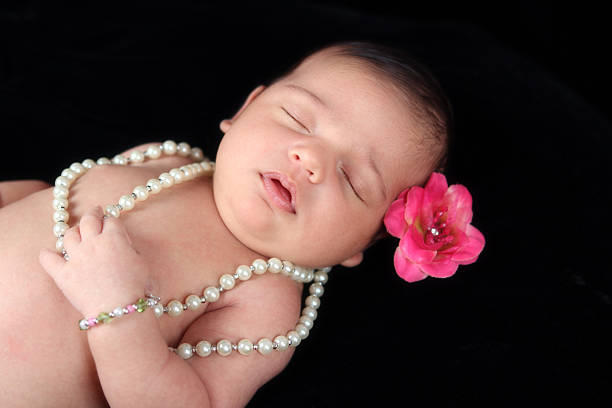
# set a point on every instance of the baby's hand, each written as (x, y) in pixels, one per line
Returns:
(104, 271)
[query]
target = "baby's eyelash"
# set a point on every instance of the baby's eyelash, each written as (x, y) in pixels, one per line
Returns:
(350, 184)
(296, 121)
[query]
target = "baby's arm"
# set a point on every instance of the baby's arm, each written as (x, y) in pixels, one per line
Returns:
(133, 362)
(11, 191)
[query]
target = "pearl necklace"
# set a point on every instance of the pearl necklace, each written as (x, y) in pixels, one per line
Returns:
(200, 167)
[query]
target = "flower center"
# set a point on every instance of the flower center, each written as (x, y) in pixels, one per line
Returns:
(437, 233)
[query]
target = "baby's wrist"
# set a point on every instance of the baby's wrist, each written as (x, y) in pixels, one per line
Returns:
(104, 315)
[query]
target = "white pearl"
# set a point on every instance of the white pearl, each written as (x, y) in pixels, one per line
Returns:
(62, 181)
(183, 149)
(313, 301)
(294, 338)
(265, 346)
(169, 147)
(111, 210)
(83, 324)
(89, 164)
(185, 351)
(287, 268)
(243, 272)
(196, 153)
(306, 321)
(155, 186)
(60, 203)
(193, 302)
(118, 311)
(153, 152)
(309, 276)
(320, 277)
(166, 180)
(61, 215)
(227, 281)
(245, 347)
(158, 310)
(78, 168)
(59, 229)
(69, 174)
(187, 172)
(177, 175)
(302, 330)
(310, 313)
(59, 245)
(206, 166)
(316, 289)
(296, 273)
(120, 159)
(211, 294)
(276, 265)
(224, 347)
(137, 156)
(196, 168)
(103, 160)
(126, 202)
(141, 193)
(260, 265)
(282, 343)
(203, 348)
(60, 192)
(175, 308)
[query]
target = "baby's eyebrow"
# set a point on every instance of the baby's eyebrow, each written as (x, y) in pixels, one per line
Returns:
(314, 98)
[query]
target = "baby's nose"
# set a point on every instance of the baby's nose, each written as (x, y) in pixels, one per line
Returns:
(311, 159)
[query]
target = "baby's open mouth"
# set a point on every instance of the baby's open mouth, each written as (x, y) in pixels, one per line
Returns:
(281, 190)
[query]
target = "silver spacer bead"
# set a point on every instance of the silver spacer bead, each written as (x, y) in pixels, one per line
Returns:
(134, 196)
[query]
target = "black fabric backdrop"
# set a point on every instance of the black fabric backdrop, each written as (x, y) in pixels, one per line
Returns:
(529, 322)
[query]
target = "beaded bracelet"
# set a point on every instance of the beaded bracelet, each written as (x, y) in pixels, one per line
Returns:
(140, 306)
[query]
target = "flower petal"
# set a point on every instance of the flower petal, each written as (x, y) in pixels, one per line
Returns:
(412, 246)
(394, 217)
(406, 270)
(469, 252)
(441, 269)
(414, 202)
(436, 187)
(459, 202)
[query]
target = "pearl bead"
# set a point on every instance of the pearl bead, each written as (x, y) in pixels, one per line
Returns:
(141, 193)
(158, 310)
(111, 210)
(155, 186)
(60, 203)
(126, 202)
(276, 265)
(61, 215)
(103, 160)
(62, 181)
(265, 346)
(120, 160)
(243, 272)
(316, 289)
(169, 147)
(207, 166)
(227, 281)
(211, 294)
(59, 245)
(320, 277)
(83, 324)
(224, 348)
(313, 302)
(306, 321)
(188, 173)
(69, 174)
(310, 313)
(153, 152)
(59, 229)
(183, 149)
(196, 153)
(177, 175)
(296, 273)
(137, 156)
(166, 180)
(282, 343)
(60, 192)
(302, 330)
(203, 348)
(260, 265)
(175, 308)
(287, 268)
(118, 311)
(294, 338)
(245, 347)
(89, 164)
(78, 168)
(193, 302)
(185, 351)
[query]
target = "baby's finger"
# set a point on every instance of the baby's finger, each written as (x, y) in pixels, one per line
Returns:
(72, 237)
(51, 261)
(115, 226)
(91, 223)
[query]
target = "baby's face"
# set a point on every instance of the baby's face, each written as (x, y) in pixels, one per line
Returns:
(308, 167)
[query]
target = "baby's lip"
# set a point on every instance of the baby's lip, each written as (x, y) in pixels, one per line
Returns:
(287, 183)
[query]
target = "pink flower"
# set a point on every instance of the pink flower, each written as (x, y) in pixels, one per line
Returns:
(433, 224)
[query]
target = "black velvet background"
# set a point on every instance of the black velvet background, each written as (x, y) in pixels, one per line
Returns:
(528, 323)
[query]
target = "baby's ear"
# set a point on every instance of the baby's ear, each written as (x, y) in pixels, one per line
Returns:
(353, 260)
(226, 124)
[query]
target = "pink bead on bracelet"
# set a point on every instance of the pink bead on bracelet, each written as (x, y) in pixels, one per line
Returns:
(140, 306)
